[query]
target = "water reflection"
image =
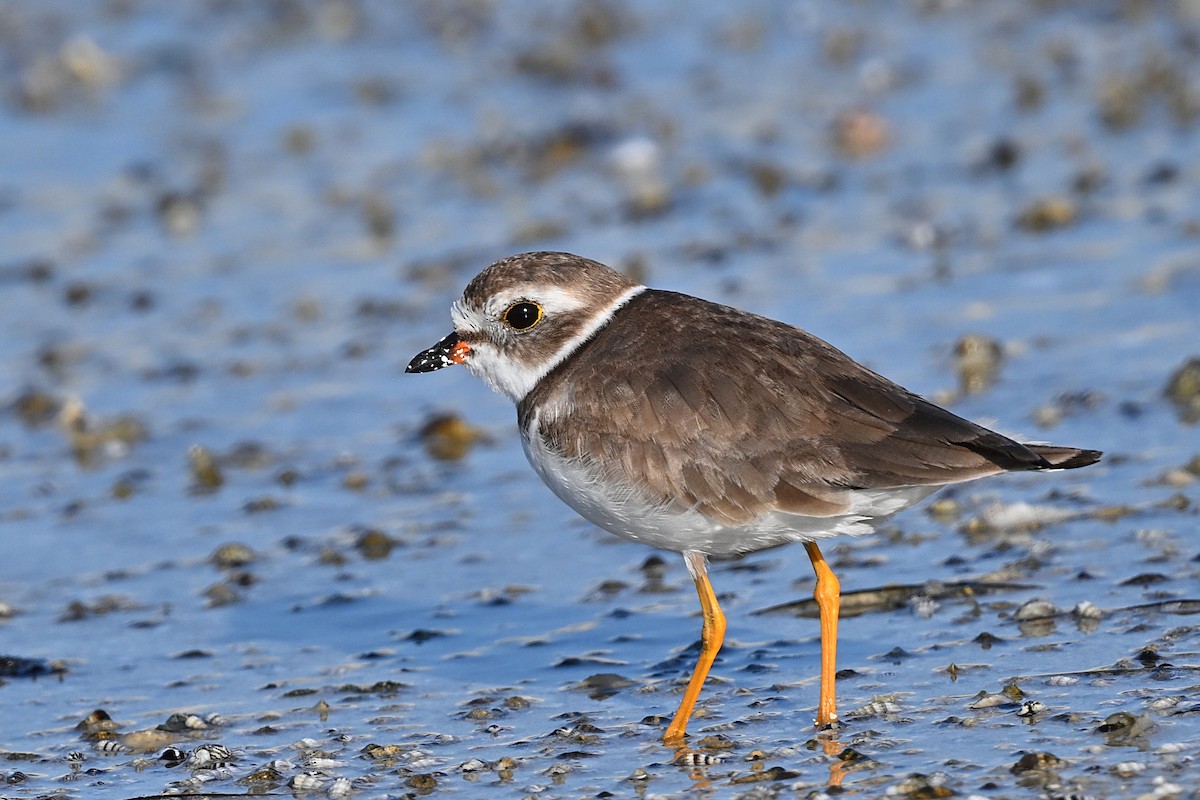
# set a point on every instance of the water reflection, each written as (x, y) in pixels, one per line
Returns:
(828, 742)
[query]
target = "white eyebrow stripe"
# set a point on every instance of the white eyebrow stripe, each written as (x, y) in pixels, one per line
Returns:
(552, 299)
(515, 380)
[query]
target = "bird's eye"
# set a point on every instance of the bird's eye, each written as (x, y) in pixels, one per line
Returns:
(522, 316)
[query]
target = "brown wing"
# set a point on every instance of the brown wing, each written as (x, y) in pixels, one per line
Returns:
(738, 415)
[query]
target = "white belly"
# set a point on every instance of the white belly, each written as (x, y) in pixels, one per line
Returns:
(618, 508)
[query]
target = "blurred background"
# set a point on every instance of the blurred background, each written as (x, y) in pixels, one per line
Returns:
(243, 550)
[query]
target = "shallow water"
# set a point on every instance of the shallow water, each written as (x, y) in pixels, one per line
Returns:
(232, 226)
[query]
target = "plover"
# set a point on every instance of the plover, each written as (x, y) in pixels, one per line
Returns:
(707, 430)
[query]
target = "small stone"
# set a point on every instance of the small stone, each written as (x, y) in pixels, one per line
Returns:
(341, 787)
(306, 781)
(917, 785)
(447, 437)
(769, 179)
(693, 758)
(36, 408)
(859, 133)
(1048, 213)
(180, 212)
(1183, 390)
(1165, 703)
(878, 707)
(378, 752)
(356, 480)
(1036, 762)
(375, 545)
(987, 640)
(206, 473)
(977, 360)
(1120, 103)
(299, 140)
(222, 594)
(1123, 728)
(1031, 708)
(1036, 609)
(232, 556)
(945, 510)
(989, 700)
(379, 217)
(423, 783)
(177, 723)
(260, 504)
(1128, 769)
(266, 777)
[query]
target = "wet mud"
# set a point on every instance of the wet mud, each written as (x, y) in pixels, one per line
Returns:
(244, 553)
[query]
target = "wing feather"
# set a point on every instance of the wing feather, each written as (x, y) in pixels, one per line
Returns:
(738, 416)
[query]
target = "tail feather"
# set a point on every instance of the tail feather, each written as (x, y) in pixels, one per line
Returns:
(1065, 457)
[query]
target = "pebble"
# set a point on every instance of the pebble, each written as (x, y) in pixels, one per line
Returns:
(206, 473)
(339, 788)
(1048, 213)
(1127, 769)
(990, 700)
(860, 133)
(232, 556)
(1036, 762)
(1018, 516)
(1036, 609)
(876, 708)
(1031, 708)
(1183, 390)
(693, 758)
(307, 781)
(211, 755)
(977, 359)
(1165, 703)
(447, 437)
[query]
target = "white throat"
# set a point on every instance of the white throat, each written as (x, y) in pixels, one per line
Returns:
(514, 380)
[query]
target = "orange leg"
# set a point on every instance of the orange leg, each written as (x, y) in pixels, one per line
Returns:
(712, 635)
(828, 594)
